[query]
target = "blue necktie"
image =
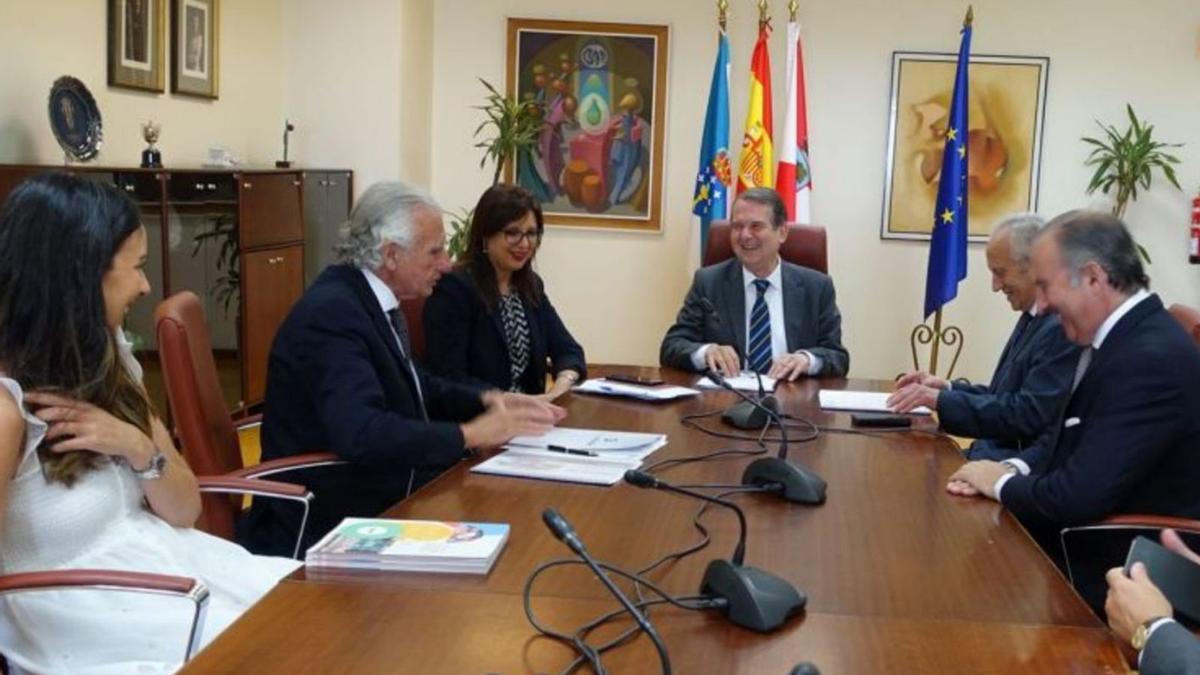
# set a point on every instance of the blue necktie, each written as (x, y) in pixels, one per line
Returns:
(758, 343)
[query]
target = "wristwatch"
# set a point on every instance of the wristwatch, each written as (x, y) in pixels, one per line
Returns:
(1142, 632)
(155, 470)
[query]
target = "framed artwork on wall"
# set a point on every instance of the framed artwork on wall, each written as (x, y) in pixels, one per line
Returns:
(194, 47)
(1006, 99)
(135, 44)
(600, 90)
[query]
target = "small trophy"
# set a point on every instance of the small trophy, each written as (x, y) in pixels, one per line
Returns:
(151, 157)
(288, 127)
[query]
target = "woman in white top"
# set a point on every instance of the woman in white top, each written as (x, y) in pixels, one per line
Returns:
(89, 477)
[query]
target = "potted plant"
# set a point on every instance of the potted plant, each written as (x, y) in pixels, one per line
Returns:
(515, 128)
(1126, 160)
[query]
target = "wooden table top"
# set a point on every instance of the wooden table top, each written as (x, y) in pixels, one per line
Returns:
(900, 576)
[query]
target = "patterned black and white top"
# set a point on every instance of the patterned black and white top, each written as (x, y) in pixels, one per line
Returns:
(516, 337)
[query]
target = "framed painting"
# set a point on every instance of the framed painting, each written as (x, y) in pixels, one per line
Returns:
(1006, 100)
(135, 44)
(600, 91)
(194, 47)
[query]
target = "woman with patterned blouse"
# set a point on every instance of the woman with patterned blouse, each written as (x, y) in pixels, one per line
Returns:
(490, 321)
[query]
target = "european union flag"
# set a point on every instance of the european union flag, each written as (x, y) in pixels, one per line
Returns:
(948, 246)
(711, 197)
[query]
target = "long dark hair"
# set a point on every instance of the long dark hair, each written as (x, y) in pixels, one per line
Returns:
(498, 206)
(58, 236)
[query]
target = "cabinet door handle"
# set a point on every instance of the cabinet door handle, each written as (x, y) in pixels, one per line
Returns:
(247, 185)
(200, 186)
(212, 186)
(322, 183)
(332, 183)
(128, 187)
(296, 183)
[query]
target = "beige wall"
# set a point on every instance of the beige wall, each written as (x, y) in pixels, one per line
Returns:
(40, 41)
(618, 292)
(385, 87)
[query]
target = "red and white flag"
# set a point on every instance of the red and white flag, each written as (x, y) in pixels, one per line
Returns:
(793, 180)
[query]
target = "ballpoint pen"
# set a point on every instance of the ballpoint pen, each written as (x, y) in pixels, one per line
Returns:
(571, 451)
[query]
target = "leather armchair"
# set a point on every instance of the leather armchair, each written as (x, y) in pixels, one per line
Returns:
(805, 245)
(205, 429)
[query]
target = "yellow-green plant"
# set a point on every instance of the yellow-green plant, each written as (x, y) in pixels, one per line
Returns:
(1126, 160)
(516, 127)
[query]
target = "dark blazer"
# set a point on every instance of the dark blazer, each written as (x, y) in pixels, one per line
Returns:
(1027, 391)
(1171, 650)
(465, 338)
(715, 311)
(335, 382)
(1133, 444)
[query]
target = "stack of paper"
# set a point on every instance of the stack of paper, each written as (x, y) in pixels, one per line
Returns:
(573, 455)
(658, 393)
(867, 401)
(410, 546)
(747, 381)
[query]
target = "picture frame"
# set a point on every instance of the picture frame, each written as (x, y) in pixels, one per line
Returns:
(1007, 99)
(135, 44)
(601, 90)
(195, 47)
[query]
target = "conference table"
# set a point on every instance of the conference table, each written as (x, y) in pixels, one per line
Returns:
(899, 576)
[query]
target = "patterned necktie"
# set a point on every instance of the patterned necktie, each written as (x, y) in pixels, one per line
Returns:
(396, 318)
(758, 343)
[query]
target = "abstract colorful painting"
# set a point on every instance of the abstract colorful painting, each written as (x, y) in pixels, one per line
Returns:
(600, 90)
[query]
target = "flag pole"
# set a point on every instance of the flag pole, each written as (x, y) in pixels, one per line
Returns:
(722, 13)
(793, 5)
(763, 19)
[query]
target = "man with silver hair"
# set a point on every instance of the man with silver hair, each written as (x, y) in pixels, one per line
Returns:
(1033, 374)
(1128, 437)
(341, 378)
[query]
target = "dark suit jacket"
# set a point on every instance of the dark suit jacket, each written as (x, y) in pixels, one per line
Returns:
(1133, 444)
(715, 311)
(465, 338)
(1027, 391)
(335, 382)
(1171, 650)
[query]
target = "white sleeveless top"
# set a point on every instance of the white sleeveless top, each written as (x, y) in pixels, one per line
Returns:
(102, 522)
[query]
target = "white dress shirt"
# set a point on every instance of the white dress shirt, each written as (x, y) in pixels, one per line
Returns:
(773, 296)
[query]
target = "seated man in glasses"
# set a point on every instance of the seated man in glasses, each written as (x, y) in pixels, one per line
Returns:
(755, 311)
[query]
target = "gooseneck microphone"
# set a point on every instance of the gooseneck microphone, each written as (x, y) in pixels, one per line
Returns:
(756, 599)
(565, 533)
(799, 484)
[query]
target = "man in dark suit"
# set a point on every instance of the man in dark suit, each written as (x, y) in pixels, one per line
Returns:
(1128, 438)
(340, 378)
(757, 310)
(1140, 614)
(1033, 375)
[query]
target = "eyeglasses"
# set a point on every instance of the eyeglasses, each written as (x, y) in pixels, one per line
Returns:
(755, 227)
(514, 237)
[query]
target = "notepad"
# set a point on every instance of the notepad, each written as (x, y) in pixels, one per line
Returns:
(747, 381)
(657, 393)
(869, 401)
(591, 456)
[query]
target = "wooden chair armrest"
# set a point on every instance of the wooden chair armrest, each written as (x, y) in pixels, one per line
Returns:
(1150, 521)
(274, 466)
(235, 484)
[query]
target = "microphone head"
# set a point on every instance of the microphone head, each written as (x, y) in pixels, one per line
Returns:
(715, 377)
(640, 479)
(557, 524)
(805, 668)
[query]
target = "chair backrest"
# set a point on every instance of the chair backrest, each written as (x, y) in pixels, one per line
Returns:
(414, 311)
(1189, 318)
(805, 245)
(202, 422)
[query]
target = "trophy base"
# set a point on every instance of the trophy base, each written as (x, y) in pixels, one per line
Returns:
(282, 164)
(151, 159)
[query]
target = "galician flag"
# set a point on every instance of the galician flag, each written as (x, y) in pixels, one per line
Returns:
(756, 165)
(948, 245)
(711, 198)
(793, 182)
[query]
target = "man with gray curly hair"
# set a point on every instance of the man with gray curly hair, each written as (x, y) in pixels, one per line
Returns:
(1032, 376)
(341, 377)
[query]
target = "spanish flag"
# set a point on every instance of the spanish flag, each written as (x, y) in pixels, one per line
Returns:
(756, 166)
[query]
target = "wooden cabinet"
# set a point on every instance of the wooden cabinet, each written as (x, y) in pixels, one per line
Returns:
(326, 208)
(238, 239)
(272, 280)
